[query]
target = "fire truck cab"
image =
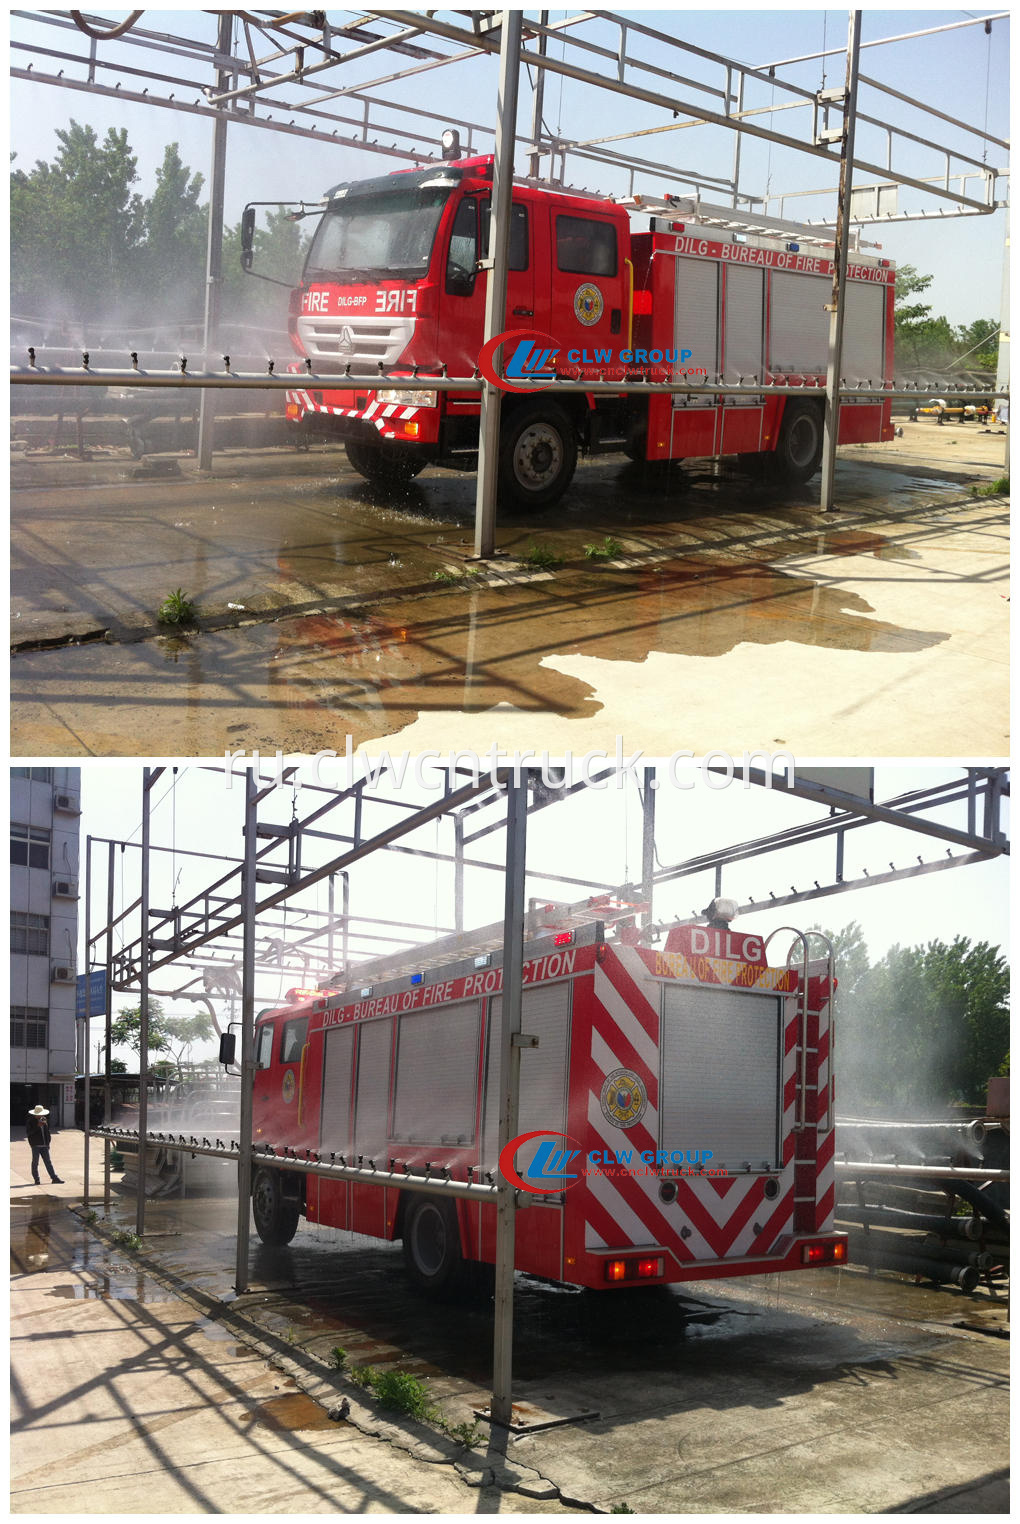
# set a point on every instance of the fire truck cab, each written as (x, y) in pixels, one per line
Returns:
(689, 1087)
(392, 286)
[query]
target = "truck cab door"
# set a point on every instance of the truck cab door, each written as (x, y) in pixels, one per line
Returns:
(278, 1075)
(590, 296)
(462, 325)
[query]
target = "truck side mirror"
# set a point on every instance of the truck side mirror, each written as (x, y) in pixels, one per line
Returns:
(247, 237)
(228, 1047)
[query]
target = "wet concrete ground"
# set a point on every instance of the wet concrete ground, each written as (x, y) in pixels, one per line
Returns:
(727, 613)
(829, 1391)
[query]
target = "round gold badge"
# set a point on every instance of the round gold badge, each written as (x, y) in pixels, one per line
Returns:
(624, 1100)
(588, 304)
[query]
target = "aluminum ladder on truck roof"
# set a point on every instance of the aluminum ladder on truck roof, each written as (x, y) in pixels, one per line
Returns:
(731, 219)
(543, 916)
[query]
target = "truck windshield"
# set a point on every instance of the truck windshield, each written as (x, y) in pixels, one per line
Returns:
(364, 238)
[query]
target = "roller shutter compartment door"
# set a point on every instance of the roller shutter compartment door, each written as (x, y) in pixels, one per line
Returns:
(721, 1075)
(744, 328)
(337, 1066)
(798, 323)
(545, 1014)
(696, 320)
(437, 1075)
(863, 335)
(375, 1040)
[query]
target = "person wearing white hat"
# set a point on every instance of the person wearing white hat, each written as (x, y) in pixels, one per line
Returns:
(37, 1131)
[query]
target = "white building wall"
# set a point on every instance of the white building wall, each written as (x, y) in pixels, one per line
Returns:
(49, 1069)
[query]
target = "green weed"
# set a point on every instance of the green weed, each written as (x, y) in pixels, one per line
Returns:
(609, 548)
(542, 556)
(363, 1376)
(402, 1393)
(126, 1240)
(176, 609)
(338, 1357)
(999, 488)
(466, 1434)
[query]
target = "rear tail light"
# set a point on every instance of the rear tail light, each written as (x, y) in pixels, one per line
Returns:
(645, 1269)
(830, 1252)
(293, 410)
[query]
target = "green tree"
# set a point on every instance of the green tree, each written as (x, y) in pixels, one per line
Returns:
(979, 344)
(175, 232)
(174, 1035)
(76, 225)
(924, 1027)
(920, 338)
(280, 246)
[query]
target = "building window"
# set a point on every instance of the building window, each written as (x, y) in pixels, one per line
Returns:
(30, 933)
(33, 774)
(30, 846)
(29, 1026)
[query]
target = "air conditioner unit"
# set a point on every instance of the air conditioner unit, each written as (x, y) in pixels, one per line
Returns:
(65, 888)
(67, 802)
(61, 973)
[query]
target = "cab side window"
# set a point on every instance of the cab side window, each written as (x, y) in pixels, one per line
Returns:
(466, 240)
(585, 247)
(264, 1053)
(293, 1040)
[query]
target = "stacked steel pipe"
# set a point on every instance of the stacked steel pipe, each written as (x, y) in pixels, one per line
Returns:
(949, 1224)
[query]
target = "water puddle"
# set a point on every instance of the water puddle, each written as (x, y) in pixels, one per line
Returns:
(284, 1415)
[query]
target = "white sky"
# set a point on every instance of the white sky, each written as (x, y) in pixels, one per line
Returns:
(964, 73)
(596, 834)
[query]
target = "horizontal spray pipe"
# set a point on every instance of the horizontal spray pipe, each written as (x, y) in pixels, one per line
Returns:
(22, 375)
(974, 1129)
(887, 1241)
(313, 1164)
(950, 1173)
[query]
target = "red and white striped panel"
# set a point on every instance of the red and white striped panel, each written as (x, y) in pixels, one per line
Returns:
(382, 416)
(721, 1218)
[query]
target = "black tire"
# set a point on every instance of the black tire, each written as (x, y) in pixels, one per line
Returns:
(384, 463)
(276, 1216)
(537, 455)
(798, 453)
(432, 1244)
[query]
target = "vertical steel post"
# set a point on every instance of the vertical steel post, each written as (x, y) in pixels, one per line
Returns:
(837, 310)
(143, 1009)
(648, 844)
(510, 1090)
(537, 103)
(458, 872)
(88, 1014)
(244, 1142)
(495, 262)
(107, 1087)
(214, 245)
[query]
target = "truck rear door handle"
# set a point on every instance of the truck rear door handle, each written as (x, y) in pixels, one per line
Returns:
(524, 312)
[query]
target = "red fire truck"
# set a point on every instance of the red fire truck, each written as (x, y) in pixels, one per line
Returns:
(391, 286)
(692, 1085)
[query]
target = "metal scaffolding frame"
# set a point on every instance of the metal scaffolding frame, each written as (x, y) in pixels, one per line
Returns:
(303, 47)
(229, 914)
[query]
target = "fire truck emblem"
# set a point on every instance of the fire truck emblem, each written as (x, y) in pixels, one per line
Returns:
(588, 304)
(289, 1085)
(623, 1098)
(346, 343)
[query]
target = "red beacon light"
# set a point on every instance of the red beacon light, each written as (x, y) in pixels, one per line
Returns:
(563, 939)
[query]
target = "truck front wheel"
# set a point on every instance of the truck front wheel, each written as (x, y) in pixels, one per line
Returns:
(537, 456)
(432, 1244)
(798, 452)
(276, 1215)
(384, 463)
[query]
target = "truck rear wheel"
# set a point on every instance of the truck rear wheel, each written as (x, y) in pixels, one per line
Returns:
(384, 463)
(432, 1244)
(538, 455)
(798, 452)
(276, 1216)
